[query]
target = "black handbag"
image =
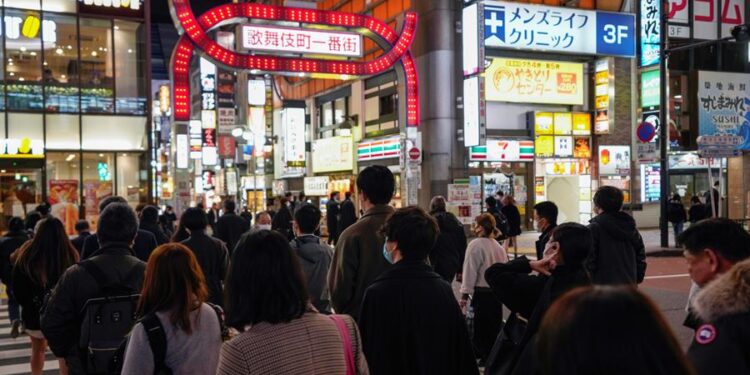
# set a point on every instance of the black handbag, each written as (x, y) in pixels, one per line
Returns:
(507, 346)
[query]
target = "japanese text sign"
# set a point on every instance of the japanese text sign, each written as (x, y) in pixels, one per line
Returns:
(650, 27)
(723, 119)
(560, 29)
(307, 41)
(705, 15)
(534, 81)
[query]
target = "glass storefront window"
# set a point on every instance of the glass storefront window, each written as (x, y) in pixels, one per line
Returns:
(114, 133)
(23, 62)
(63, 187)
(64, 6)
(129, 67)
(63, 132)
(327, 114)
(60, 63)
(339, 108)
(132, 177)
(25, 125)
(23, 4)
(98, 170)
(97, 84)
(20, 191)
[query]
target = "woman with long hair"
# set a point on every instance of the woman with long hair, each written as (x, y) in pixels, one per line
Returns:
(481, 254)
(608, 330)
(281, 333)
(173, 298)
(39, 264)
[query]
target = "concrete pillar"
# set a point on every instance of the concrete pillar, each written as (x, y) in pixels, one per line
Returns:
(436, 52)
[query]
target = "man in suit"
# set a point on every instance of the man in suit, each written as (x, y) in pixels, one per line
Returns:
(230, 226)
(213, 216)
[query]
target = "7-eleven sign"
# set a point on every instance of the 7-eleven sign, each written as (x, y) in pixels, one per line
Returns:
(503, 150)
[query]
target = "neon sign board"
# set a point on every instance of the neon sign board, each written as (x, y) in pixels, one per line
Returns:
(286, 39)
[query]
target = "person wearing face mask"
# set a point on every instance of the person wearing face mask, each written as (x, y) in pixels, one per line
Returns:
(410, 321)
(530, 295)
(545, 220)
(262, 222)
(212, 254)
(315, 257)
(482, 252)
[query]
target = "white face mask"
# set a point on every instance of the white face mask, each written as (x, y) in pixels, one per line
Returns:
(264, 226)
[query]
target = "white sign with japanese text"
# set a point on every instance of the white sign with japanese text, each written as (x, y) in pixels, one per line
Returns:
(307, 41)
(294, 136)
(705, 15)
(559, 29)
(723, 116)
(316, 186)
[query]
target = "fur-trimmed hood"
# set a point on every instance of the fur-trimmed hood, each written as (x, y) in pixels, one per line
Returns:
(729, 294)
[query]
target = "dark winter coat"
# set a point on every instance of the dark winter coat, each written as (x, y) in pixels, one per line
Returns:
(357, 261)
(347, 215)
(531, 296)
(514, 219)
(61, 322)
(213, 257)
(79, 241)
(676, 212)
(447, 256)
(722, 345)
(542, 241)
(698, 212)
(332, 218)
(8, 244)
(282, 222)
(315, 259)
(411, 324)
(618, 255)
(229, 228)
(144, 244)
(155, 229)
(29, 294)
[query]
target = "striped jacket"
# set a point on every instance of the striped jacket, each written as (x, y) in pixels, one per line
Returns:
(308, 345)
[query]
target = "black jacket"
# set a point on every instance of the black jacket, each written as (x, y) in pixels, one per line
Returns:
(229, 228)
(8, 244)
(61, 322)
(144, 244)
(676, 212)
(79, 241)
(697, 212)
(514, 219)
(447, 255)
(722, 345)
(411, 324)
(213, 257)
(282, 222)
(542, 241)
(618, 255)
(154, 229)
(213, 215)
(332, 218)
(531, 296)
(315, 259)
(347, 215)
(29, 294)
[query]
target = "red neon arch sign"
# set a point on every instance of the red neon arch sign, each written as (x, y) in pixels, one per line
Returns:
(194, 35)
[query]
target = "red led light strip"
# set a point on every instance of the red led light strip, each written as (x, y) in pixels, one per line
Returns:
(194, 33)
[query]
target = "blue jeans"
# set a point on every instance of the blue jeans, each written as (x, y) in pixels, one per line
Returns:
(677, 230)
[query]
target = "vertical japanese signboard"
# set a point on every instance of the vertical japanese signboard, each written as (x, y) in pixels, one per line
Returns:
(650, 27)
(473, 112)
(294, 136)
(723, 117)
(208, 84)
(472, 50)
(604, 100)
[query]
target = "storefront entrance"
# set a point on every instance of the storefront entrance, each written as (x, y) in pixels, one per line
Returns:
(20, 191)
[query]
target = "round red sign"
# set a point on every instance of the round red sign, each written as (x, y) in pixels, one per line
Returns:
(414, 153)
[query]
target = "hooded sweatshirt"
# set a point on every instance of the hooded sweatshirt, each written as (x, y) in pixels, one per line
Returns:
(721, 346)
(315, 259)
(618, 255)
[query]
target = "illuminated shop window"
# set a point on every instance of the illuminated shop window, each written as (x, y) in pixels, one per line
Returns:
(97, 84)
(60, 66)
(23, 60)
(130, 67)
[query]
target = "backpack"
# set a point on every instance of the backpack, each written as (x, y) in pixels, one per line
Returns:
(501, 223)
(106, 320)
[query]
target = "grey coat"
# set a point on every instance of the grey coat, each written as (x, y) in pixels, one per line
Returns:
(315, 259)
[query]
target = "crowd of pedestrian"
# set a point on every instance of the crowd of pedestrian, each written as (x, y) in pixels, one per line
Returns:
(401, 292)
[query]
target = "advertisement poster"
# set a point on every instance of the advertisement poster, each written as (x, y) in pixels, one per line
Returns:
(723, 118)
(614, 160)
(93, 193)
(332, 154)
(63, 198)
(459, 202)
(534, 81)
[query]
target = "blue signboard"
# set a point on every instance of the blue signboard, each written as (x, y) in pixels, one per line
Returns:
(558, 29)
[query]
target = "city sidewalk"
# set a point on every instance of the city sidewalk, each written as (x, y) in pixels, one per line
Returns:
(651, 239)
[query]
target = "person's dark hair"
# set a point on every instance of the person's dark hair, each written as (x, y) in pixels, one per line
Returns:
(173, 283)
(347, 195)
(194, 219)
(82, 225)
(43, 209)
(139, 208)
(307, 218)
(724, 236)
(150, 214)
(31, 219)
(181, 234)
(265, 282)
(169, 207)
(547, 210)
(414, 230)
(695, 199)
(15, 225)
(334, 194)
(301, 196)
(437, 204)
(500, 193)
(230, 205)
(117, 223)
(575, 242)
(609, 199)
(491, 202)
(109, 200)
(717, 183)
(377, 183)
(288, 195)
(48, 254)
(676, 197)
(577, 335)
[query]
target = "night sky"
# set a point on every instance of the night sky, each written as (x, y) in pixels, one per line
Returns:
(160, 8)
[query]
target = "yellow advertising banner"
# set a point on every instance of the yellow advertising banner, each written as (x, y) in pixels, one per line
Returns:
(534, 81)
